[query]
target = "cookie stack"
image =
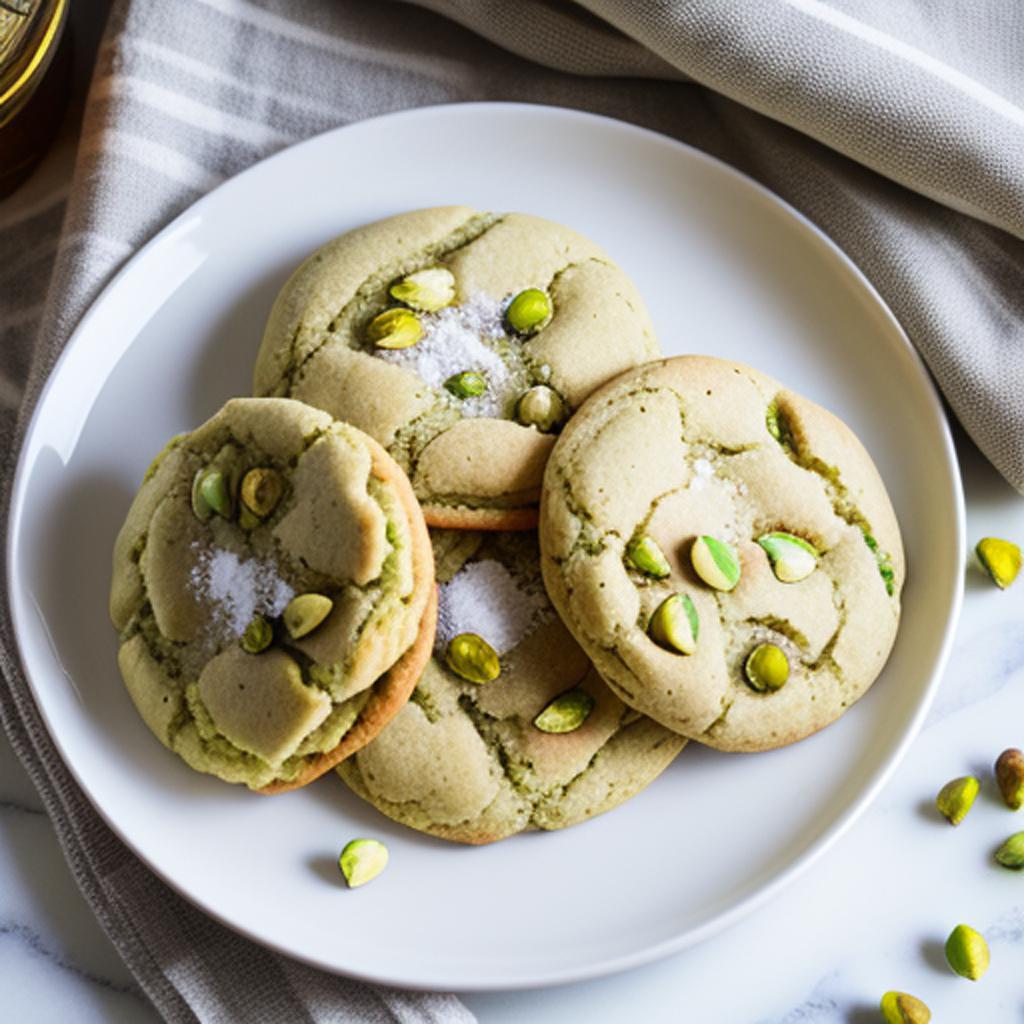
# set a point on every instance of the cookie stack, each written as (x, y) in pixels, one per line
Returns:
(629, 552)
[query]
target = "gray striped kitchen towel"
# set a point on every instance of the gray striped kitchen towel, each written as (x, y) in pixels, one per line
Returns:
(896, 127)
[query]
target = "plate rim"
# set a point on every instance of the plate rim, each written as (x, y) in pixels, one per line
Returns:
(609, 964)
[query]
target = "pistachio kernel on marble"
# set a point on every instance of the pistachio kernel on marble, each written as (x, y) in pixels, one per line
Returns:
(766, 668)
(540, 407)
(1001, 559)
(528, 311)
(261, 491)
(1011, 853)
(674, 624)
(566, 713)
(394, 329)
(362, 860)
(472, 658)
(258, 636)
(1010, 777)
(903, 1008)
(210, 494)
(426, 290)
(468, 384)
(793, 558)
(956, 798)
(967, 952)
(304, 613)
(644, 553)
(715, 562)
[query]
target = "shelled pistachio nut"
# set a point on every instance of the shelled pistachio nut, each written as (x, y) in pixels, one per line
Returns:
(1010, 776)
(902, 1008)
(967, 952)
(540, 407)
(426, 290)
(529, 311)
(261, 491)
(468, 384)
(956, 798)
(472, 658)
(211, 494)
(645, 554)
(362, 861)
(305, 612)
(793, 558)
(1011, 853)
(715, 562)
(675, 625)
(565, 713)
(258, 636)
(1000, 559)
(766, 668)
(394, 329)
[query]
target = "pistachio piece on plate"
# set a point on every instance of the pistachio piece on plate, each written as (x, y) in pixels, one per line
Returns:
(967, 952)
(427, 290)
(529, 311)
(305, 612)
(1000, 559)
(261, 491)
(715, 562)
(394, 328)
(645, 554)
(766, 668)
(902, 1008)
(472, 658)
(792, 558)
(565, 713)
(1011, 853)
(956, 798)
(258, 636)
(210, 494)
(468, 384)
(540, 407)
(362, 861)
(1010, 776)
(674, 624)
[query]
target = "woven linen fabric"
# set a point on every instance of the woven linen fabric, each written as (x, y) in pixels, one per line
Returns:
(895, 127)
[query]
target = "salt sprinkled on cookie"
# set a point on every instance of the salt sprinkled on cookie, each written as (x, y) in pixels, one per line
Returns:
(484, 598)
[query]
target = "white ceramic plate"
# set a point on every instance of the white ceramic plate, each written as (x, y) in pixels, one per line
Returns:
(726, 269)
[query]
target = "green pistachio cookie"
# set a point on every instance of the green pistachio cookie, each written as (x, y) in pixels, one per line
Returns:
(274, 594)
(510, 727)
(461, 341)
(724, 550)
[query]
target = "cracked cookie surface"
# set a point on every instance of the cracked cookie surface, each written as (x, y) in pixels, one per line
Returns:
(465, 761)
(189, 580)
(472, 464)
(695, 446)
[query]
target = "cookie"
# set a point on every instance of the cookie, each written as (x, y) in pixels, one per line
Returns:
(724, 550)
(461, 341)
(472, 762)
(274, 593)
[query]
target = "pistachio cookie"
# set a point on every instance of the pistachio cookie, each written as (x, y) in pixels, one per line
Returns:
(274, 592)
(724, 550)
(461, 341)
(510, 728)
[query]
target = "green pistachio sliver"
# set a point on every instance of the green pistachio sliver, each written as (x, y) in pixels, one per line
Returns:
(427, 290)
(472, 658)
(362, 860)
(793, 558)
(644, 553)
(540, 407)
(1001, 559)
(261, 490)
(529, 311)
(1011, 853)
(967, 952)
(468, 384)
(903, 1008)
(766, 668)
(674, 624)
(258, 636)
(956, 798)
(394, 329)
(715, 562)
(210, 494)
(305, 612)
(566, 713)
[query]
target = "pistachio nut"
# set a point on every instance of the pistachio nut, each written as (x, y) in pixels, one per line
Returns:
(1011, 853)
(248, 520)
(766, 668)
(565, 713)
(674, 624)
(956, 798)
(792, 558)
(529, 311)
(305, 612)
(540, 407)
(645, 554)
(427, 290)
(1000, 559)
(715, 562)
(472, 658)
(362, 861)
(211, 494)
(1010, 776)
(468, 384)
(258, 636)
(967, 952)
(261, 490)
(902, 1008)
(394, 328)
